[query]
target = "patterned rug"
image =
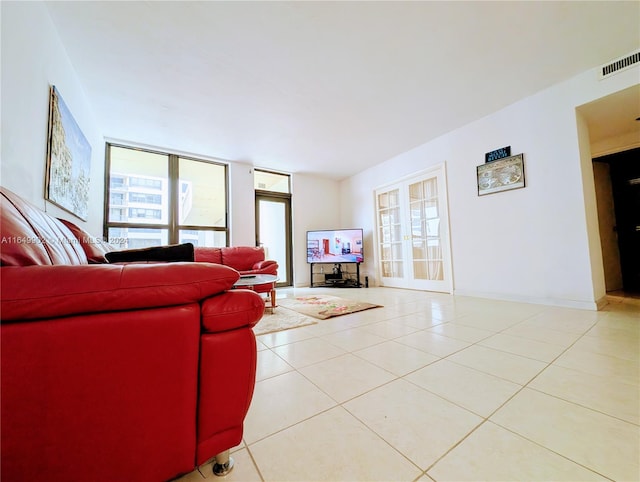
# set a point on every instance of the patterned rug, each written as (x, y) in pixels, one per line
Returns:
(281, 319)
(324, 306)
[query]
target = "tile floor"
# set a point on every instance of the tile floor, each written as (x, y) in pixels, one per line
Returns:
(434, 387)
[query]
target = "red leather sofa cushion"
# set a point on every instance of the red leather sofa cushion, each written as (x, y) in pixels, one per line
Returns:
(205, 254)
(94, 248)
(245, 259)
(30, 236)
(242, 258)
(103, 398)
(65, 290)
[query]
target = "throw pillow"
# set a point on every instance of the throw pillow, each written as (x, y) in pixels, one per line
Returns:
(167, 254)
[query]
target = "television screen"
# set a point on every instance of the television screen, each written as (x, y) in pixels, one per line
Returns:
(335, 246)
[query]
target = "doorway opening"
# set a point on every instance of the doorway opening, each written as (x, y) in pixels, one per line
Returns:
(617, 180)
(273, 221)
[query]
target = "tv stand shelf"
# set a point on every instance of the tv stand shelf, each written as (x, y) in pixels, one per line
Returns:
(333, 276)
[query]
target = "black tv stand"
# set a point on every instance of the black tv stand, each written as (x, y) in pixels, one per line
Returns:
(332, 276)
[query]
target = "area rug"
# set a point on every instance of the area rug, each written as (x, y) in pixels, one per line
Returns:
(279, 319)
(325, 306)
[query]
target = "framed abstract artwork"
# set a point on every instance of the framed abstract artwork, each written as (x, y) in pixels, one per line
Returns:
(68, 160)
(501, 175)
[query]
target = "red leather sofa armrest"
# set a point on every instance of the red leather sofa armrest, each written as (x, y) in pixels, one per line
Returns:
(268, 266)
(231, 310)
(36, 292)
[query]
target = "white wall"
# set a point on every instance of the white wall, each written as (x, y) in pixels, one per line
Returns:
(315, 204)
(33, 58)
(242, 205)
(537, 244)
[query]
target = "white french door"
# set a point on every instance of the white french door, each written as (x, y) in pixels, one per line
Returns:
(413, 233)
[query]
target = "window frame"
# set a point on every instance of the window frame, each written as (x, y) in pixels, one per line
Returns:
(172, 226)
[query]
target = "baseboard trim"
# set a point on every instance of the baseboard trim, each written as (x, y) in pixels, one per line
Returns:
(580, 305)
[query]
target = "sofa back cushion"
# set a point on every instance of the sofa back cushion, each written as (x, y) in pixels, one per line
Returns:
(94, 248)
(30, 236)
(242, 258)
(204, 254)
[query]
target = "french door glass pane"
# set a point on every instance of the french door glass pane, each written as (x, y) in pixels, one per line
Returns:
(420, 270)
(390, 238)
(202, 195)
(392, 269)
(436, 271)
(139, 187)
(425, 230)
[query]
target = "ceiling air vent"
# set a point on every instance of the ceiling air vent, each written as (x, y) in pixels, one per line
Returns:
(619, 64)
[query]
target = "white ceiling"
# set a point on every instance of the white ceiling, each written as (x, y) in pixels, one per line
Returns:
(328, 88)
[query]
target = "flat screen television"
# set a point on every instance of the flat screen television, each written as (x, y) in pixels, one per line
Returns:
(335, 246)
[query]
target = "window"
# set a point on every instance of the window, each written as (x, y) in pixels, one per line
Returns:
(271, 181)
(145, 213)
(157, 198)
(145, 182)
(144, 198)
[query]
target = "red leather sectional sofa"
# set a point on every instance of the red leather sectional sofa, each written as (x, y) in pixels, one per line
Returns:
(114, 372)
(246, 260)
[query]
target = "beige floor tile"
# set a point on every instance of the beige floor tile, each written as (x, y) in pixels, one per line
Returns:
(461, 332)
(390, 329)
(432, 343)
(280, 402)
(622, 348)
(346, 376)
(419, 321)
(308, 352)
(619, 369)
(260, 346)
(333, 325)
(285, 337)
(601, 393)
(566, 319)
(449, 313)
(617, 328)
(623, 319)
(489, 320)
(353, 339)
(486, 321)
(492, 453)
(295, 426)
(194, 476)
(537, 350)
(505, 365)
(474, 390)
(531, 331)
(341, 449)
(597, 441)
(415, 422)
(270, 365)
(396, 358)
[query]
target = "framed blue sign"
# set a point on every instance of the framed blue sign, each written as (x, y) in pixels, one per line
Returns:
(497, 154)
